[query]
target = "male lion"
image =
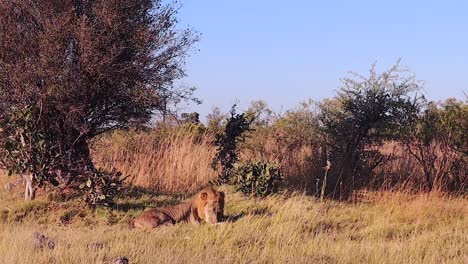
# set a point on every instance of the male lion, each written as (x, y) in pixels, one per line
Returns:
(207, 205)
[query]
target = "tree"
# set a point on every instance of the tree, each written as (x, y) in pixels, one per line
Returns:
(171, 97)
(215, 120)
(190, 118)
(71, 70)
(366, 112)
(259, 111)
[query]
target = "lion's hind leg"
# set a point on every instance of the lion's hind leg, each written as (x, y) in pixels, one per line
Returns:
(152, 219)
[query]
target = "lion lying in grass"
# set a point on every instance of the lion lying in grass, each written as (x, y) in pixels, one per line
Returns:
(207, 205)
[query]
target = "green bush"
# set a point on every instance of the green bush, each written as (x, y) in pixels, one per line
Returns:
(101, 187)
(25, 148)
(257, 178)
(227, 144)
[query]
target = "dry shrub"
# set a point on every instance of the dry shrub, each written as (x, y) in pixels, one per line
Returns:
(403, 172)
(400, 171)
(173, 160)
(299, 162)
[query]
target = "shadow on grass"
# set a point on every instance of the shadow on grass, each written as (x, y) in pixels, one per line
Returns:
(138, 199)
(138, 192)
(255, 212)
(126, 206)
(133, 192)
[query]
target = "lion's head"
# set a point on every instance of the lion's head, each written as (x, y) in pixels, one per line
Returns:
(210, 205)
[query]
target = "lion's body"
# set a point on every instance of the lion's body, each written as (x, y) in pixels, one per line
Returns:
(207, 205)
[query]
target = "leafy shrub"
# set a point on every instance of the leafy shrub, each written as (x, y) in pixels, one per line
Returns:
(257, 178)
(227, 143)
(101, 187)
(24, 148)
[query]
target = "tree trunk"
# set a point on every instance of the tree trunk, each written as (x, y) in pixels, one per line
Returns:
(79, 162)
(30, 190)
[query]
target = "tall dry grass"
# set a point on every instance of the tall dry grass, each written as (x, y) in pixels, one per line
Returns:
(299, 162)
(172, 160)
(178, 159)
(403, 172)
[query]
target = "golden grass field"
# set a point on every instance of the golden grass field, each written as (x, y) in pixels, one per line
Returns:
(286, 228)
(290, 227)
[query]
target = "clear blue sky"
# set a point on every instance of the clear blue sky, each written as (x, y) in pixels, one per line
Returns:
(287, 51)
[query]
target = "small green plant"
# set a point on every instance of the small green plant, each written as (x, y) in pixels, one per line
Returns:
(101, 187)
(257, 178)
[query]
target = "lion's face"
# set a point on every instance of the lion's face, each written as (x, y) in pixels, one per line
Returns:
(213, 209)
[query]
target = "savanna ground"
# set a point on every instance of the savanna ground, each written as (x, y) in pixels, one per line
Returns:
(72, 70)
(377, 227)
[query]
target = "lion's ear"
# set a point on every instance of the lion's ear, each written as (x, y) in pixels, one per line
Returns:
(204, 196)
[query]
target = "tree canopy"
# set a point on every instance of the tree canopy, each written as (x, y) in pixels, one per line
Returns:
(71, 70)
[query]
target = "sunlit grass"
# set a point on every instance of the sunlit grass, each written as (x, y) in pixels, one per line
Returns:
(286, 228)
